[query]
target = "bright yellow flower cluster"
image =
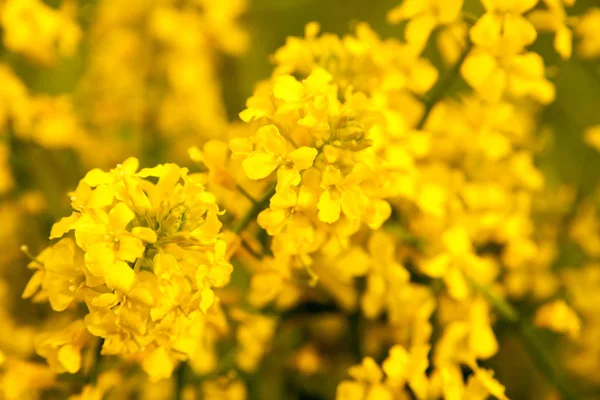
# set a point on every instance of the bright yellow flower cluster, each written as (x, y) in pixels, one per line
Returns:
(144, 256)
(406, 369)
(499, 63)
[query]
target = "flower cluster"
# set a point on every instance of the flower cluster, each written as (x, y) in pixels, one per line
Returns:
(143, 256)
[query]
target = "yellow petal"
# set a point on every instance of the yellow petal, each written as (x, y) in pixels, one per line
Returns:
(158, 365)
(97, 177)
(592, 137)
(130, 248)
(407, 10)
(207, 299)
(287, 177)
(70, 358)
(241, 146)
(102, 196)
(120, 276)
(273, 221)
(563, 42)
(518, 31)
(395, 365)
(377, 213)
(146, 234)
(422, 77)
(435, 267)
(259, 165)
(477, 68)
(487, 30)
(303, 157)
(330, 206)
(120, 216)
(270, 140)
(456, 283)
(288, 89)
(64, 225)
(419, 29)
(105, 300)
(559, 317)
(33, 285)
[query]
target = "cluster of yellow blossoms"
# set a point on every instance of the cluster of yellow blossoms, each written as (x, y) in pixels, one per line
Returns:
(366, 232)
(144, 257)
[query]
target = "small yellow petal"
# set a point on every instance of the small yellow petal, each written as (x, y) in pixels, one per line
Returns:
(70, 358)
(330, 206)
(288, 89)
(120, 276)
(259, 165)
(158, 365)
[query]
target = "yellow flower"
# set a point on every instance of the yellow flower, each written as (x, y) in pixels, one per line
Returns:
(60, 268)
(520, 75)
(39, 31)
(559, 317)
(254, 335)
(554, 19)
(423, 17)
(588, 30)
(479, 386)
(503, 29)
(25, 378)
(399, 369)
(385, 277)
(158, 364)
(408, 367)
(330, 175)
(62, 349)
(592, 137)
(145, 258)
(271, 154)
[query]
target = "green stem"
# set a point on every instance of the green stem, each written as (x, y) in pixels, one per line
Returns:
(95, 368)
(179, 381)
(245, 193)
(438, 92)
(254, 210)
(531, 341)
(505, 309)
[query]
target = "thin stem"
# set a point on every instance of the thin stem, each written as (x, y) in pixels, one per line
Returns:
(95, 368)
(505, 309)
(438, 92)
(543, 360)
(246, 246)
(254, 210)
(245, 194)
(531, 341)
(179, 381)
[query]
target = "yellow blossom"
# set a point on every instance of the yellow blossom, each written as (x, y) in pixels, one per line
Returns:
(38, 31)
(587, 29)
(145, 259)
(559, 317)
(554, 19)
(423, 17)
